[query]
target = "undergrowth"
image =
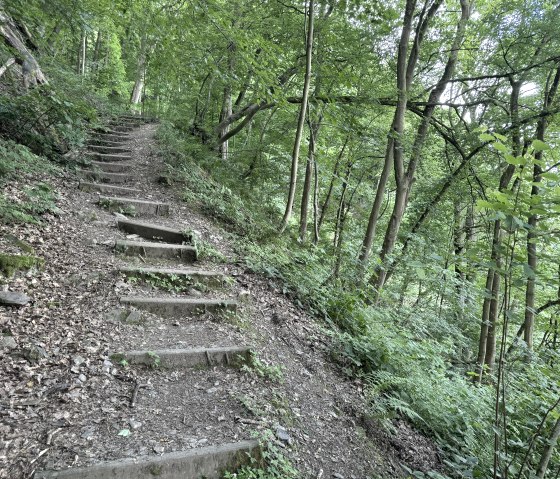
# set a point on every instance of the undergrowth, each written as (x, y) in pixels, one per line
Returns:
(415, 365)
(273, 464)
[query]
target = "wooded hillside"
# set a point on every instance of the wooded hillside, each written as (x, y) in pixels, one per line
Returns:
(394, 165)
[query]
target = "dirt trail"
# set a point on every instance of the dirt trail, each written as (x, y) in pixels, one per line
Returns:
(66, 402)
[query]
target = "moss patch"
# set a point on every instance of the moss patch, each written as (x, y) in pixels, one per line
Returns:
(9, 264)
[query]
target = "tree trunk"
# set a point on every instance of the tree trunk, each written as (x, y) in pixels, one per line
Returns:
(301, 119)
(315, 202)
(97, 51)
(331, 185)
(487, 353)
(136, 96)
(227, 106)
(314, 127)
(82, 50)
(548, 450)
(405, 179)
(396, 130)
(529, 319)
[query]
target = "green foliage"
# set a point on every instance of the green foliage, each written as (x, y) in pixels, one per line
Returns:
(9, 264)
(273, 464)
(264, 370)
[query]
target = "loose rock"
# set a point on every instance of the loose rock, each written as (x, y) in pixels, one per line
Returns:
(9, 298)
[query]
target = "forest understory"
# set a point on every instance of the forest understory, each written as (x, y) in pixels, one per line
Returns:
(376, 186)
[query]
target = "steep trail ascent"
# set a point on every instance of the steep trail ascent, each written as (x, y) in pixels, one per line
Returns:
(143, 336)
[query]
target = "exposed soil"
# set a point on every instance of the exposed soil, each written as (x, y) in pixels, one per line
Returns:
(63, 402)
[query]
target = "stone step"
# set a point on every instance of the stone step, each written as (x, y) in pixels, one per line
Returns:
(111, 131)
(185, 253)
(122, 128)
(138, 206)
(210, 278)
(104, 143)
(105, 177)
(101, 188)
(111, 167)
(189, 358)
(177, 307)
(108, 149)
(209, 462)
(154, 232)
(110, 157)
(117, 137)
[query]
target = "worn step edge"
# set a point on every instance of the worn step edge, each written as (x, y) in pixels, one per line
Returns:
(108, 150)
(212, 278)
(210, 462)
(109, 177)
(156, 250)
(108, 167)
(111, 132)
(172, 307)
(140, 206)
(153, 231)
(188, 358)
(103, 188)
(104, 143)
(108, 157)
(120, 139)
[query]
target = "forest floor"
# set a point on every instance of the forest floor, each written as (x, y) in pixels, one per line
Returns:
(64, 403)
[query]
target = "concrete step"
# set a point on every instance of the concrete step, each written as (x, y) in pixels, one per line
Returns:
(189, 358)
(105, 177)
(110, 157)
(209, 462)
(111, 167)
(177, 307)
(111, 131)
(101, 188)
(109, 149)
(154, 232)
(138, 206)
(104, 143)
(122, 128)
(114, 136)
(209, 278)
(187, 254)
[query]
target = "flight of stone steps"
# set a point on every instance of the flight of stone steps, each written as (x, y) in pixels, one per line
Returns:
(112, 178)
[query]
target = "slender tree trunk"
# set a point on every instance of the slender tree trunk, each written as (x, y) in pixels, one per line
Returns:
(487, 352)
(97, 51)
(533, 219)
(459, 240)
(340, 209)
(331, 185)
(396, 130)
(136, 96)
(227, 106)
(83, 54)
(315, 202)
(548, 450)
(301, 119)
(405, 179)
(306, 194)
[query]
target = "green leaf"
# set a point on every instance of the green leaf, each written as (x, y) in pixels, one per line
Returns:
(501, 147)
(486, 137)
(539, 145)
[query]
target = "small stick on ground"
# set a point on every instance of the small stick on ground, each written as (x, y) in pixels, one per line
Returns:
(134, 398)
(51, 434)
